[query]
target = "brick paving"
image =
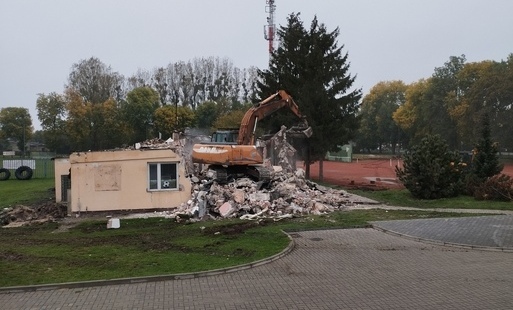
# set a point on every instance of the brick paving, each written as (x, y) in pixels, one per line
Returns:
(495, 232)
(333, 269)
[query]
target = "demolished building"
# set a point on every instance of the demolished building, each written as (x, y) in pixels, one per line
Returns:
(157, 178)
(287, 194)
(147, 177)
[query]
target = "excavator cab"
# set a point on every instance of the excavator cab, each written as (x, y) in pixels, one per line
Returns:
(225, 136)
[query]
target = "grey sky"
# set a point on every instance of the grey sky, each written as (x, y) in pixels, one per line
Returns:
(386, 39)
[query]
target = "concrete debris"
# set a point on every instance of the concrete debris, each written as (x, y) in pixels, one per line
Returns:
(113, 223)
(288, 194)
(285, 150)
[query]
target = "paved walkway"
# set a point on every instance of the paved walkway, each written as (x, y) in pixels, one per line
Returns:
(485, 232)
(333, 269)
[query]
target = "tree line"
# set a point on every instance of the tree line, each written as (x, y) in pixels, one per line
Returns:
(101, 109)
(450, 103)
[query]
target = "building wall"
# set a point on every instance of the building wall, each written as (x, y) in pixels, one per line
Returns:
(118, 180)
(62, 167)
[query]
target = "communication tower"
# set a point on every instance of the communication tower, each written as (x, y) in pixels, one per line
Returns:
(270, 29)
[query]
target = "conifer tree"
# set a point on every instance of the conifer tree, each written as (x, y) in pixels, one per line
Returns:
(431, 170)
(310, 66)
(485, 163)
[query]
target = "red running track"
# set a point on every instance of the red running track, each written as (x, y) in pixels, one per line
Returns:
(369, 173)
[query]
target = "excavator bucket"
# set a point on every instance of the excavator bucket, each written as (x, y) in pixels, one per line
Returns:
(300, 131)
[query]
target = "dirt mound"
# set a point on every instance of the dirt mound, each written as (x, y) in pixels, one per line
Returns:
(22, 215)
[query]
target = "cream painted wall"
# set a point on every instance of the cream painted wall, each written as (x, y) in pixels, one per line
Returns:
(118, 180)
(62, 167)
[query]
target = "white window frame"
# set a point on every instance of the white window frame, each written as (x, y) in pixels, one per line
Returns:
(159, 177)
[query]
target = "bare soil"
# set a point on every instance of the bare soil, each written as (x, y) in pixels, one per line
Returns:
(371, 174)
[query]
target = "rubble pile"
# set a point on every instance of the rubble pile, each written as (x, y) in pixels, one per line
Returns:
(24, 215)
(287, 195)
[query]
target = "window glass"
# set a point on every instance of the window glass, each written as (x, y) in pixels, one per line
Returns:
(162, 176)
(168, 175)
(153, 176)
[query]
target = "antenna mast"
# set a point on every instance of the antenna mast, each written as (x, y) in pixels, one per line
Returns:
(270, 29)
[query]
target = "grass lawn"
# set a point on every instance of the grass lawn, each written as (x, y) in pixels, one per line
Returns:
(13, 191)
(156, 246)
(46, 253)
(403, 198)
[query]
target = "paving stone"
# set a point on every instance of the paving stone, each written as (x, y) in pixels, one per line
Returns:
(334, 269)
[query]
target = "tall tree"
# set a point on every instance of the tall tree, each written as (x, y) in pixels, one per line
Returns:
(311, 66)
(169, 119)
(406, 116)
(377, 124)
(443, 93)
(93, 127)
(137, 111)
(16, 123)
(95, 81)
(52, 113)
(79, 125)
(206, 114)
(231, 119)
(486, 89)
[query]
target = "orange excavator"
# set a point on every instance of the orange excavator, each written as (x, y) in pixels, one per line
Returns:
(234, 153)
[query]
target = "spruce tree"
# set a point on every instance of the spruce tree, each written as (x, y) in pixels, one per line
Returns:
(485, 162)
(310, 66)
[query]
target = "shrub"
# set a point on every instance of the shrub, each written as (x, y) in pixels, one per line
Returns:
(498, 187)
(485, 161)
(430, 170)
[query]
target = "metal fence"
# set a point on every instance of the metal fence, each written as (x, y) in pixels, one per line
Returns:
(42, 168)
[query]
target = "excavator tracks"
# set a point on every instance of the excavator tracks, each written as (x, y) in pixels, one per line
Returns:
(225, 174)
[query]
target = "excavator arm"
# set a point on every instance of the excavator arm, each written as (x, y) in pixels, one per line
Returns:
(260, 111)
(243, 158)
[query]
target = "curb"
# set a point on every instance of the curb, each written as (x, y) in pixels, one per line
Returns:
(444, 243)
(177, 276)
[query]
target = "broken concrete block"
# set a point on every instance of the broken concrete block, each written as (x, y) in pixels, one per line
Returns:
(300, 173)
(113, 223)
(320, 207)
(277, 169)
(226, 209)
(239, 196)
(259, 196)
(244, 182)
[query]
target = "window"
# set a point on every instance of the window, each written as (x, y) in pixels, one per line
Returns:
(162, 176)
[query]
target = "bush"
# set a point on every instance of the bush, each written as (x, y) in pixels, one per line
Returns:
(498, 187)
(431, 171)
(485, 161)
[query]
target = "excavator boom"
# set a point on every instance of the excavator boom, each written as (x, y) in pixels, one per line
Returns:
(260, 111)
(227, 157)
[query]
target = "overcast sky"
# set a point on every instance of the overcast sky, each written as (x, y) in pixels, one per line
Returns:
(386, 39)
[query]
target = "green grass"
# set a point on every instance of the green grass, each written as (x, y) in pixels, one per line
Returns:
(44, 254)
(144, 247)
(403, 198)
(14, 192)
